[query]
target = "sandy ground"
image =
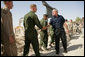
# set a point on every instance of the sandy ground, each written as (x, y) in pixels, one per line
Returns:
(75, 47)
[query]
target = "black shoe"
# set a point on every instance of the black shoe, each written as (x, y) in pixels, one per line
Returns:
(65, 51)
(57, 53)
(50, 45)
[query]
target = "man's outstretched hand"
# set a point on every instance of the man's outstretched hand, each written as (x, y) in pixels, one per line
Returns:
(44, 28)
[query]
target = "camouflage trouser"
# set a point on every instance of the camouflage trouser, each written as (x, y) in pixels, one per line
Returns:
(70, 32)
(52, 38)
(74, 31)
(44, 39)
(68, 37)
(79, 30)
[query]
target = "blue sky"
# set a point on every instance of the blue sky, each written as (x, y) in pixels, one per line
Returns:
(69, 9)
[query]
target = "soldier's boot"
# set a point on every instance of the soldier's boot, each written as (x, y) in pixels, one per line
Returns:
(65, 51)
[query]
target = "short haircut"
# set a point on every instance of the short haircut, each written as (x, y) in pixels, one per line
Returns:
(54, 10)
(6, 1)
(32, 5)
(45, 15)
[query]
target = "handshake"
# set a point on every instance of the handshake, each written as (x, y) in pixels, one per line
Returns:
(44, 28)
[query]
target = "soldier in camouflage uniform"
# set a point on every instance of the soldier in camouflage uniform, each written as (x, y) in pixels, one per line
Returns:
(66, 27)
(74, 28)
(70, 27)
(30, 20)
(44, 34)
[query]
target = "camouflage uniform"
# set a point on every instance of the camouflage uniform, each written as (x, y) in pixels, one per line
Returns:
(51, 34)
(70, 27)
(67, 33)
(44, 34)
(74, 28)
